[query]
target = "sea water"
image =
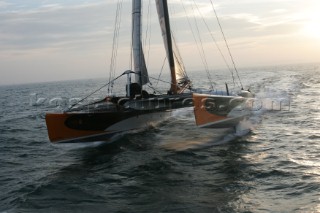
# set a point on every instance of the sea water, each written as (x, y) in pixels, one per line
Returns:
(268, 163)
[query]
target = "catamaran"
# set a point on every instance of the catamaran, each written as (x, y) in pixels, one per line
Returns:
(138, 109)
(114, 116)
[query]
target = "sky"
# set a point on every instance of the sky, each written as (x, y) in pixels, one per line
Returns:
(52, 40)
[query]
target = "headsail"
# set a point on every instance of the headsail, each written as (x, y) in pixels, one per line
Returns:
(140, 67)
(181, 75)
(179, 78)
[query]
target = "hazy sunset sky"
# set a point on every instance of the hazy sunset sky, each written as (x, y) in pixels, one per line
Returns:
(49, 40)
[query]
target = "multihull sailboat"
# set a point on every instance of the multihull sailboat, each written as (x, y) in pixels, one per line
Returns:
(112, 116)
(138, 109)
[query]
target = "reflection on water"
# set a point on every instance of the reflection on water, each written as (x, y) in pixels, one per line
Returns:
(151, 179)
(180, 133)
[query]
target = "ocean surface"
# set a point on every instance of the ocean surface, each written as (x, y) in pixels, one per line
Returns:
(173, 167)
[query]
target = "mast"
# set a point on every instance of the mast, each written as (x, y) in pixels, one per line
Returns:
(163, 12)
(140, 68)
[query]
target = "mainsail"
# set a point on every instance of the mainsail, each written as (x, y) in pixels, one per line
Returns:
(179, 79)
(140, 67)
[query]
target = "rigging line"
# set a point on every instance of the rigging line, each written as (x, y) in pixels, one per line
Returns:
(192, 31)
(181, 71)
(160, 80)
(202, 49)
(113, 48)
(157, 79)
(216, 43)
(164, 61)
(178, 58)
(147, 41)
(154, 89)
(100, 88)
(115, 45)
(195, 39)
(112, 70)
(225, 40)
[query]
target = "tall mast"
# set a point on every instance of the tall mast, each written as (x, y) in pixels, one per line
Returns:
(140, 69)
(163, 12)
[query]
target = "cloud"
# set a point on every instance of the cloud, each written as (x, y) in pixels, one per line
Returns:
(3, 4)
(66, 26)
(54, 41)
(53, 26)
(44, 37)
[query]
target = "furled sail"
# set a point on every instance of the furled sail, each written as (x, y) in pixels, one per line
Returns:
(179, 78)
(140, 67)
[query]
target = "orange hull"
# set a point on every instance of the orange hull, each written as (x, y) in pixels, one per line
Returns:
(98, 126)
(202, 116)
(212, 111)
(58, 131)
